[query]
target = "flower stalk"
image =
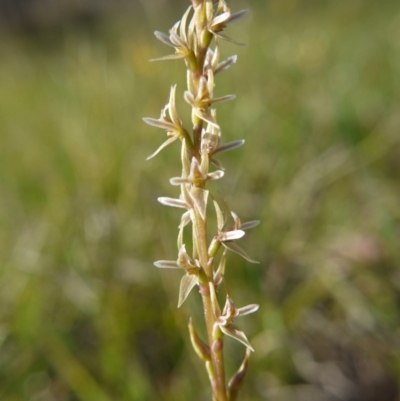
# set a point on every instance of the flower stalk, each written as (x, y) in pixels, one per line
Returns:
(197, 41)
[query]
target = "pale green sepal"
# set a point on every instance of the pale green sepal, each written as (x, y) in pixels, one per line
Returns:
(220, 216)
(186, 196)
(175, 56)
(164, 145)
(221, 19)
(225, 98)
(185, 159)
(215, 175)
(179, 180)
(237, 380)
(220, 273)
(189, 98)
(216, 163)
(236, 220)
(208, 10)
(210, 82)
(182, 27)
(246, 310)
(163, 37)
(237, 249)
(205, 116)
(187, 283)
(234, 332)
(215, 58)
(205, 163)
(200, 197)
(229, 146)
(185, 219)
(228, 39)
(176, 39)
(249, 224)
(225, 64)
(202, 349)
(159, 123)
(236, 16)
(166, 264)
(214, 302)
(231, 235)
(172, 202)
(172, 107)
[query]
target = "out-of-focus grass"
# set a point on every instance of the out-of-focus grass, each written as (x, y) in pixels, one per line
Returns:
(84, 315)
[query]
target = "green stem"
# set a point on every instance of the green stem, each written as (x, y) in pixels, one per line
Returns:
(215, 340)
(216, 347)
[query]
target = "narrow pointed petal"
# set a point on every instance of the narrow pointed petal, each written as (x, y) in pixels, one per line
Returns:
(164, 145)
(176, 39)
(216, 163)
(237, 15)
(234, 332)
(229, 146)
(159, 123)
(187, 284)
(221, 19)
(166, 264)
(172, 202)
(249, 224)
(246, 310)
(236, 220)
(237, 380)
(182, 27)
(231, 235)
(225, 98)
(163, 37)
(228, 39)
(179, 180)
(215, 175)
(175, 56)
(237, 249)
(202, 349)
(225, 64)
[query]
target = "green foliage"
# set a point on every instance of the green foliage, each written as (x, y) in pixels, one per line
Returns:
(83, 311)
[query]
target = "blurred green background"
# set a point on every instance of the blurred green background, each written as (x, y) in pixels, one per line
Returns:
(84, 315)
